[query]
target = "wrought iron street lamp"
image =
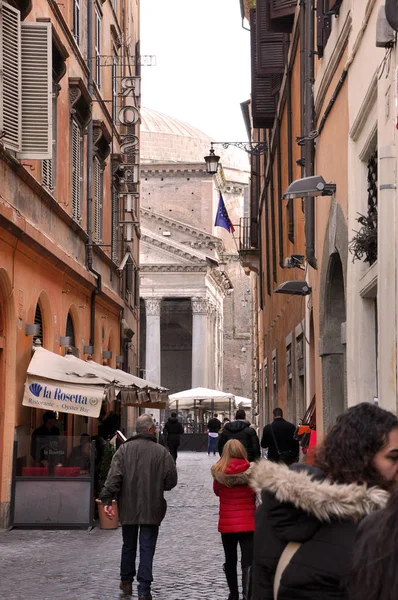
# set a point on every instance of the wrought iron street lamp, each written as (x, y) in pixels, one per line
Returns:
(253, 148)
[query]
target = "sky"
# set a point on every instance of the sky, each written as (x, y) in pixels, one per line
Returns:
(202, 71)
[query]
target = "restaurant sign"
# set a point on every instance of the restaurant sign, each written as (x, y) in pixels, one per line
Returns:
(63, 397)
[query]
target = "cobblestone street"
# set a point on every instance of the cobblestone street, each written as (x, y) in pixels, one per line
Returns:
(81, 565)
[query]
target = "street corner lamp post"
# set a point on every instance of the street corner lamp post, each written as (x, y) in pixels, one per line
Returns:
(253, 148)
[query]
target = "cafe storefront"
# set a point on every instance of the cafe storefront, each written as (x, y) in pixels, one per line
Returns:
(55, 475)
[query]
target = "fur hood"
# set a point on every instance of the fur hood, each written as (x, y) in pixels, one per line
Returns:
(323, 499)
(233, 479)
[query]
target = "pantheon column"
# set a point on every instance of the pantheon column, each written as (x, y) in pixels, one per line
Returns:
(152, 353)
(199, 342)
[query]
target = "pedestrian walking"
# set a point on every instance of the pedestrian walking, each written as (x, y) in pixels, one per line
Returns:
(213, 427)
(374, 573)
(140, 472)
(240, 430)
(278, 437)
(306, 525)
(236, 521)
(173, 429)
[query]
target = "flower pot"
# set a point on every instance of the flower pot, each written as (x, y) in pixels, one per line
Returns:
(104, 520)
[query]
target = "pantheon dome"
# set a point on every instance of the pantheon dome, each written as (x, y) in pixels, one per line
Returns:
(165, 139)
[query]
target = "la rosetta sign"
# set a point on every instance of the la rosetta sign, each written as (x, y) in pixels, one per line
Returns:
(63, 397)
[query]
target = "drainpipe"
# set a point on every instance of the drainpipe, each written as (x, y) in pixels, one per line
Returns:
(89, 247)
(309, 120)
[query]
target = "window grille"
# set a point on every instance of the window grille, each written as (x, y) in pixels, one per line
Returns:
(76, 171)
(38, 321)
(372, 203)
(70, 330)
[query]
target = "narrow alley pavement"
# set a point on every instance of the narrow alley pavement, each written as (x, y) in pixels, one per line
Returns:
(81, 565)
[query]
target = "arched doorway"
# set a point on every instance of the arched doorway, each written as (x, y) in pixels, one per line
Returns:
(333, 343)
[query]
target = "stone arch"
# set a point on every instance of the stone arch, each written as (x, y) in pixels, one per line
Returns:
(8, 338)
(333, 310)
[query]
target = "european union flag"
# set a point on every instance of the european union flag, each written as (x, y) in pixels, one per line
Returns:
(222, 218)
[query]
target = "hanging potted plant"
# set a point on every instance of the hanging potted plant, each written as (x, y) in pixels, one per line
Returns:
(105, 463)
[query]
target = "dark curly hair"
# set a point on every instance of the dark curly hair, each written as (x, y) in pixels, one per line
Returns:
(347, 453)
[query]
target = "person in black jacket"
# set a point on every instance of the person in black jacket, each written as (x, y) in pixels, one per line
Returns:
(173, 429)
(286, 448)
(213, 427)
(319, 507)
(240, 430)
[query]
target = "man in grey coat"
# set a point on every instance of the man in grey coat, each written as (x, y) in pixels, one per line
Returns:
(140, 472)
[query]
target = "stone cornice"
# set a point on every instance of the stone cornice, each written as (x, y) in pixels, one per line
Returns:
(173, 268)
(183, 227)
(177, 248)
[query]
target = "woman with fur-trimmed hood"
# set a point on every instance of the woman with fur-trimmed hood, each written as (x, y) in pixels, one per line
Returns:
(236, 521)
(313, 512)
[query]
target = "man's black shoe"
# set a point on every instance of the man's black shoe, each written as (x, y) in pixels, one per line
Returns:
(126, 587)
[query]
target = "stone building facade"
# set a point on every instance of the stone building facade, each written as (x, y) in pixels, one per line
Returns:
(67, 265)
(195, 316)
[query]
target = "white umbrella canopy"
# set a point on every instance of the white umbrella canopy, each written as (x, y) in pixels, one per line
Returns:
(243, 402)
(202, 398)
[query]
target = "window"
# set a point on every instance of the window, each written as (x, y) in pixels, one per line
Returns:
(97, 47)
(114, 6)
(25, 85)
(274, 380)
(77, 169)
(39, 322)
(129, 269)
(98, 200)
(76, 21)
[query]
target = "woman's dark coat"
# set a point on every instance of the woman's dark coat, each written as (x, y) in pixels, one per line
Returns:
(298, 506)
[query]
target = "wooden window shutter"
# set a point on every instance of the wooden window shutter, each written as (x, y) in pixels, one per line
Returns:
(271, 47)
(47, 175)
(76, 171)
(115, 225)
(282, 14)
(10, 77)
(97, 201)
(36, 67)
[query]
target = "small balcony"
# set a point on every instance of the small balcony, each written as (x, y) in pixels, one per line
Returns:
(248, 245)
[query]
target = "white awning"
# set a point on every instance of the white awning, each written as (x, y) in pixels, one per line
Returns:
(68, 384)
(202, 398)
(243, 402)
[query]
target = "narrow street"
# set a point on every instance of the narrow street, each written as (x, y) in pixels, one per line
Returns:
(77, 565)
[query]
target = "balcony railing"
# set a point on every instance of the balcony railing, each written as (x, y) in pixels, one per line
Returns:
(248, 244)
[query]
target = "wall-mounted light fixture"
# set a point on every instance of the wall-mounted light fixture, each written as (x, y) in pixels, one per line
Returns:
(212, 160)
(107, 354)
(119, 359)
(65, 340)
(294, 288)
(32, 329)
(308, 187)
(88, 349)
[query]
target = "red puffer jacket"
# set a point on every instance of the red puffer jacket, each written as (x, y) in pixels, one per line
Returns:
(237, 499)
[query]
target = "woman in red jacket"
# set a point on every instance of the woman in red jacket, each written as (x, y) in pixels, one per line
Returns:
(236, 522)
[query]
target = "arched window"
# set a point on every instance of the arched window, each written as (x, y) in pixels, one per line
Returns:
(70, 330)
(38, 321)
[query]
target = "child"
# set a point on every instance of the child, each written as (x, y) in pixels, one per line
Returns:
(236, 522)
